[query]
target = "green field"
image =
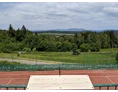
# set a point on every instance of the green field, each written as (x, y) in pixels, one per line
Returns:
(103, 57)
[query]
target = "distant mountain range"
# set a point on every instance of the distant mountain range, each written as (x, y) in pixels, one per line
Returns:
(74, 29)
(71, 30)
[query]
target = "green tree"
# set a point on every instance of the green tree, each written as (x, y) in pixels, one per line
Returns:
(19, 35)
(24, 30)
(58, 46)
(85, 36)
(117, 57)
(31, 41)
(95, 47)
(8, 45)
(105, 40)
(20, 46)
(42, 45)
(84, 47)
(51, 46)
(79, 39)
(113, 38)
(60, 39)
(66, 46)
(74, 47)
(3, 35)
(11, 31)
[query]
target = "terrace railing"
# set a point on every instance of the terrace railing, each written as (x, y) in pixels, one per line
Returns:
(23, 67)
(13, 87)
(23, 87)
(107, 86)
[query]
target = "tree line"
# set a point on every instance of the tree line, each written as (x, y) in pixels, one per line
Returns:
(25, 40)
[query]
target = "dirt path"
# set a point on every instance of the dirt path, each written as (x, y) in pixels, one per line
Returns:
(30, 61)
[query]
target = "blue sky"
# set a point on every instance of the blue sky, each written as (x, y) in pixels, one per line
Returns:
(58, 15)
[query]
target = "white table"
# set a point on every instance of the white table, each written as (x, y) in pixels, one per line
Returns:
(56, 82)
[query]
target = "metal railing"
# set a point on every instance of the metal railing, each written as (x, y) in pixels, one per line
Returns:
(99, 86)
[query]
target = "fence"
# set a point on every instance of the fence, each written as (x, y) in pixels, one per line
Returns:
(23, 67)
(7, 87)
(107, 86)
(23, 87)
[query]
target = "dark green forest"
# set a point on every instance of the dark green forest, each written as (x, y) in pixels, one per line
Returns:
(23, 39)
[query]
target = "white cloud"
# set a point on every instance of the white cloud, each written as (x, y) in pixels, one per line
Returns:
(59, 15)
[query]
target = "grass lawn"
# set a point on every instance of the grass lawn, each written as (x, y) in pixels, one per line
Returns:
(104, 56)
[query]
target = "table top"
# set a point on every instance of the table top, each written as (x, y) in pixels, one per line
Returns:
(56, 82)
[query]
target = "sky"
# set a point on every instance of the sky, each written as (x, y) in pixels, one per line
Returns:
(59, 15)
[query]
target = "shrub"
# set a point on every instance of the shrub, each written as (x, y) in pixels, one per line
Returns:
(6, 50)
(9, 63)
(34, 49)
(27, 49)
(76, 52)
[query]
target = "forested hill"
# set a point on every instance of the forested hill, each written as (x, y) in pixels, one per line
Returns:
(56, 31)
(72, 32)
(116, 32)
(23, 39)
